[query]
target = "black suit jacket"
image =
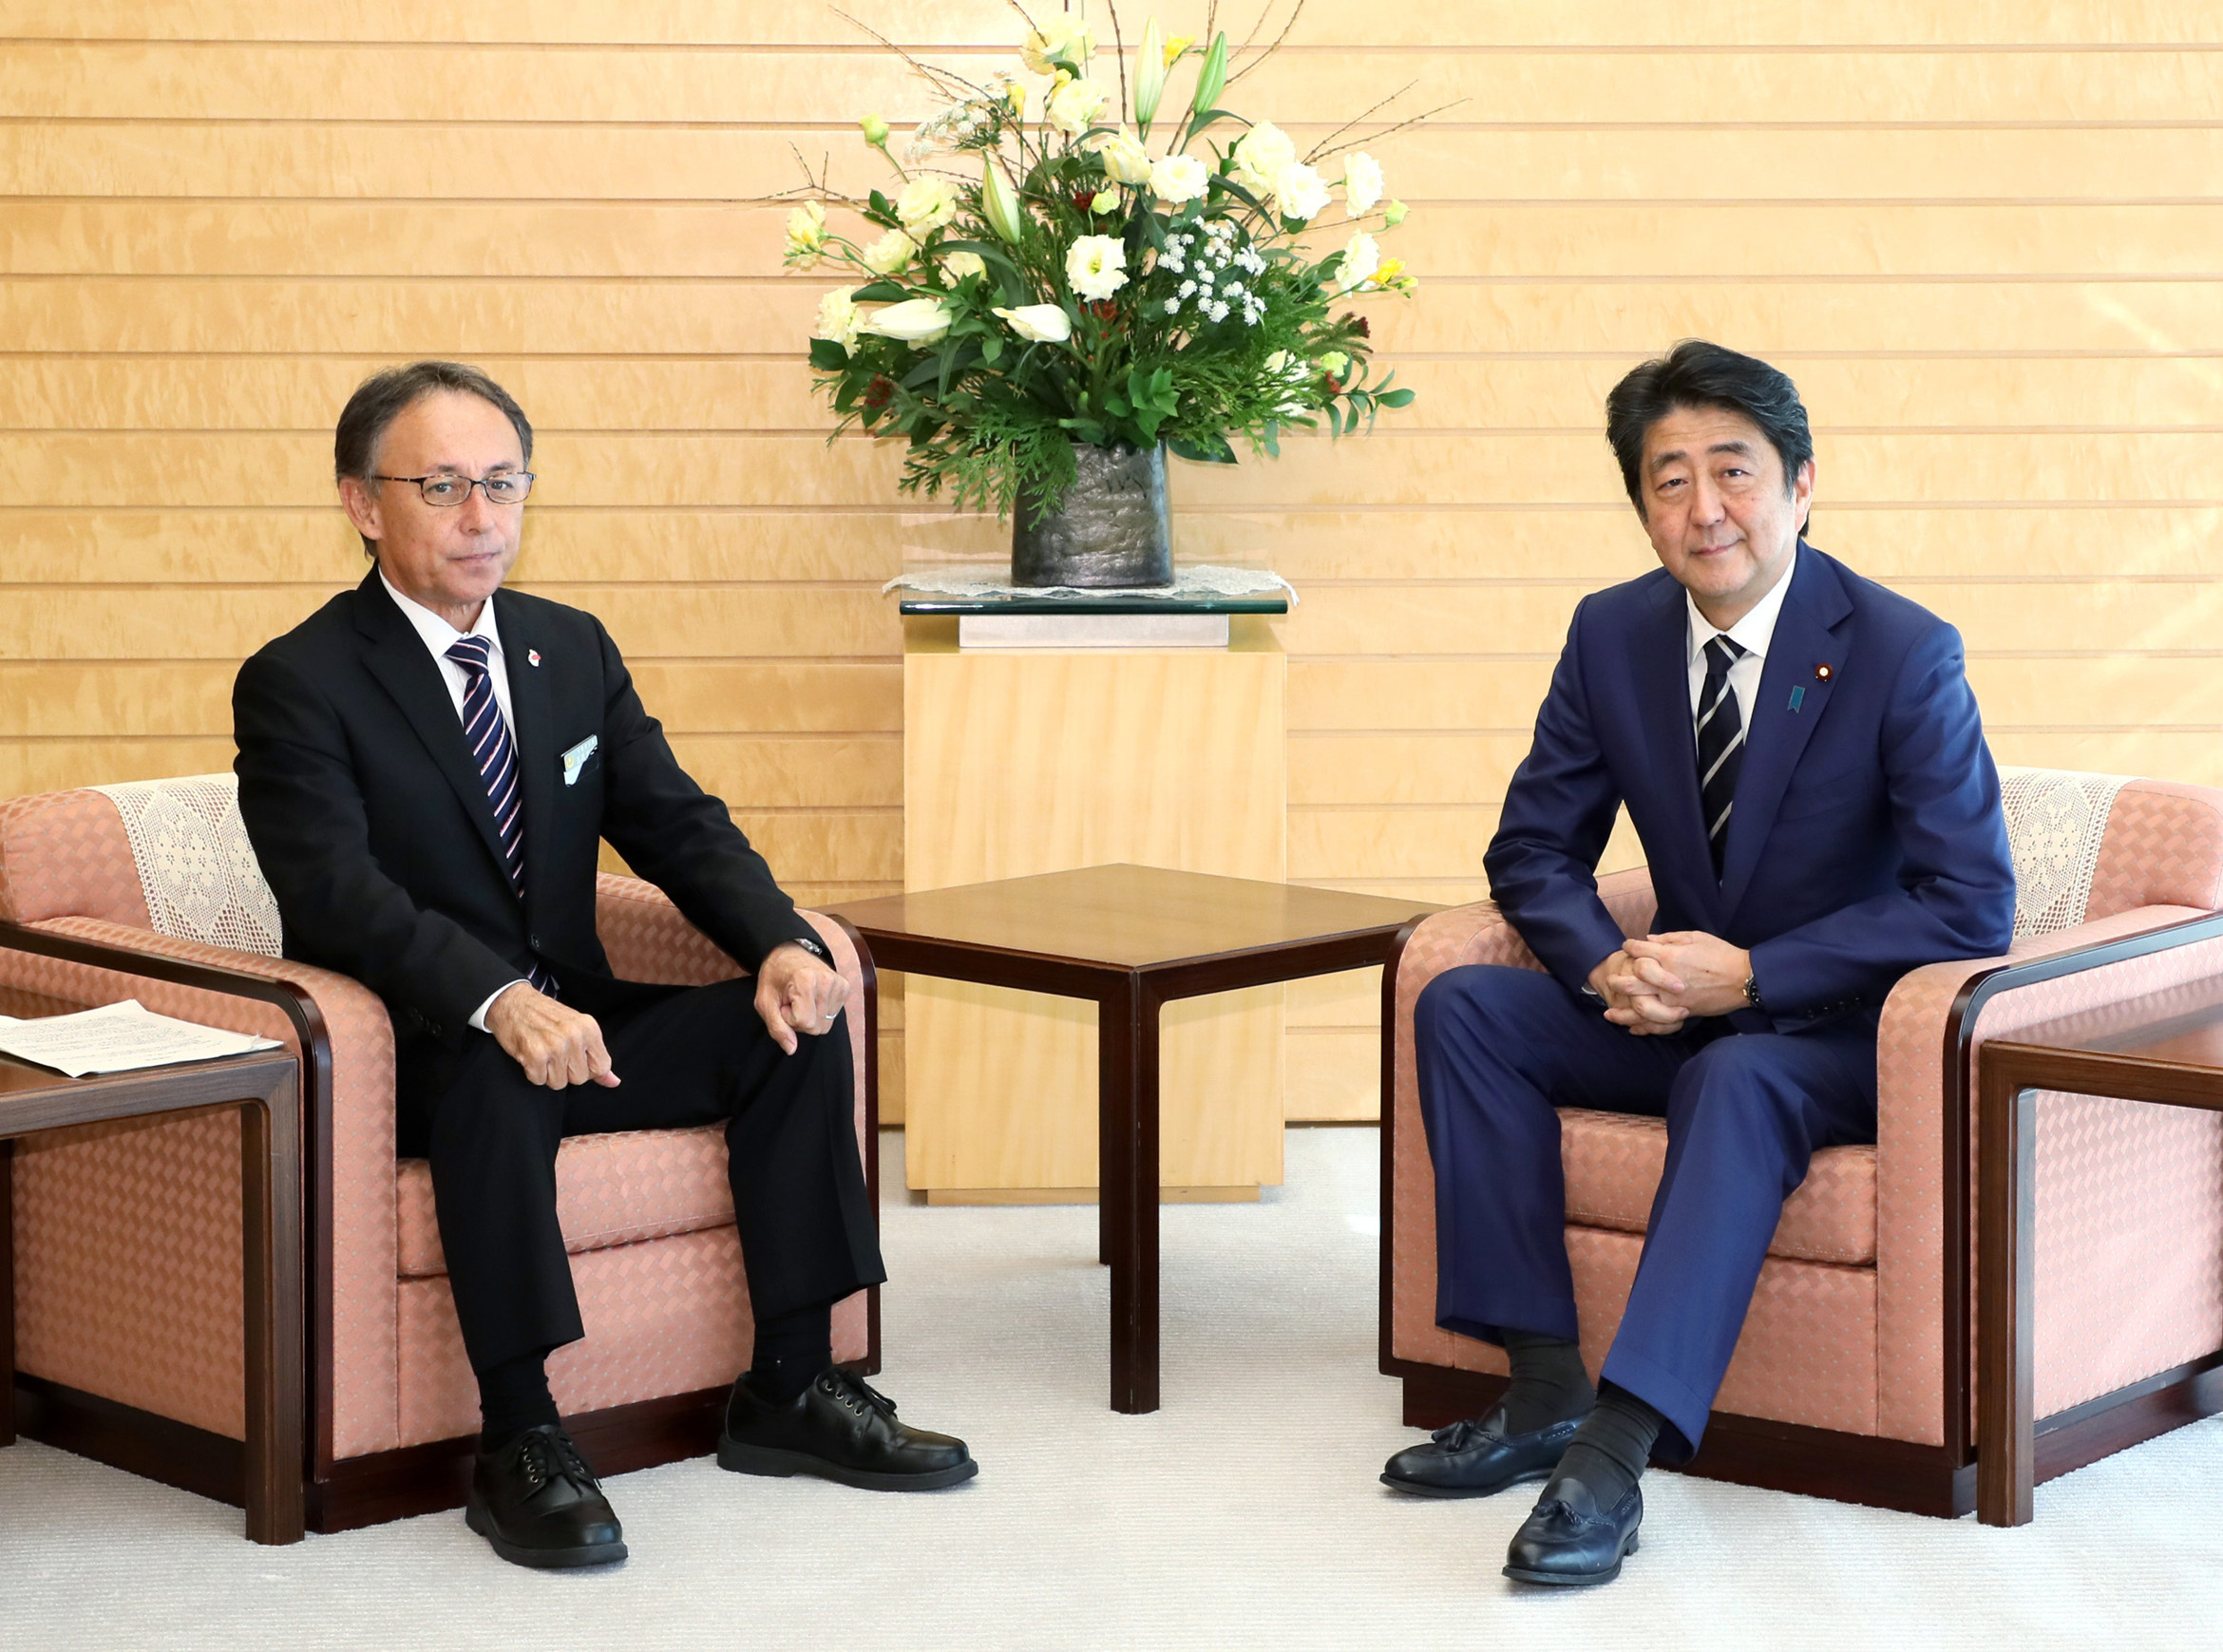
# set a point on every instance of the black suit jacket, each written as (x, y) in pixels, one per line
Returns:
(375, 833)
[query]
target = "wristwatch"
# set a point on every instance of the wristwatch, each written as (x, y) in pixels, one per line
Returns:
(813, 947)
(1752, 992)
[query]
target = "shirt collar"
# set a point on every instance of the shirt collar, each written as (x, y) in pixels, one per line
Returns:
(438, 635)
(1752, 634)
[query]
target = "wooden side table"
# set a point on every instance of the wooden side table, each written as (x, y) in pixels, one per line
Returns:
(265, 1088)
(1132, 940)
(2167, 1050)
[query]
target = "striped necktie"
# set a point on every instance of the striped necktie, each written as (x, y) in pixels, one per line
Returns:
(1721, 744)
(496, 755)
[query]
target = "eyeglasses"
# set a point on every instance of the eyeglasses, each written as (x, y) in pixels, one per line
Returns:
(510, 487)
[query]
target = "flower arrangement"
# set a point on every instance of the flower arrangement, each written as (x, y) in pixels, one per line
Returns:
(1063, 261)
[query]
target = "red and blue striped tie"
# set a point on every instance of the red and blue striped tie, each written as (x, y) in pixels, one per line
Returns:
(496, 755)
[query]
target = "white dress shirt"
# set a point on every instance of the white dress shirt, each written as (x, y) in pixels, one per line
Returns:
(1752, 634)
(439, 636)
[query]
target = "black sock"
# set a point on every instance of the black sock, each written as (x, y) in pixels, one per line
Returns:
(792, 1348)
(1548, 1382)
(513, 1396)
(1610, 1449)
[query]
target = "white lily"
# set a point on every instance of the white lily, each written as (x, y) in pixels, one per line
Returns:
(913, 321)
(1150, 75)
(1038, 323)
(997, 204)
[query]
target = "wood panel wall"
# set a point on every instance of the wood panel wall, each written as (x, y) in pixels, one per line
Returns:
(1984, 237)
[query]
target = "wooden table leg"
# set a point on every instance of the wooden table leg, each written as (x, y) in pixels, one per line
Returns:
(1127, 1081)
(7, 1293)
(2006, 1135)
(270, 1183)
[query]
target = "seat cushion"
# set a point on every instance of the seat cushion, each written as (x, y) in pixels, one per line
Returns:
(1612, 1163)
(610, 1189)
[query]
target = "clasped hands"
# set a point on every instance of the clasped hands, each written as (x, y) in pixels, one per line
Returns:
(557, 1045)
(1657, 983)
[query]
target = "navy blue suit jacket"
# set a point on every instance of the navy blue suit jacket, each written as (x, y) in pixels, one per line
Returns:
(1867, 837)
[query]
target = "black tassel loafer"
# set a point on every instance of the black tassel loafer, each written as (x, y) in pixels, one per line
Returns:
(1567, 1542)
(841, 1428)
(539, 1503)
(1473, 1459)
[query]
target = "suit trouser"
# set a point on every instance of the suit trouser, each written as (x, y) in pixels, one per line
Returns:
(1499, 1048)
(685, 1055)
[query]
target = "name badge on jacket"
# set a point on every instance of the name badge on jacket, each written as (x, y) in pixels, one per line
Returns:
(575, 759)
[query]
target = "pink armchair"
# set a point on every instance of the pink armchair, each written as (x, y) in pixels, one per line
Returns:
(127, 1240)
(1853, 1378)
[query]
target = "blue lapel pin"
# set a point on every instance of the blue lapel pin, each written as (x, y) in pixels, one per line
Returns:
(1797, 697)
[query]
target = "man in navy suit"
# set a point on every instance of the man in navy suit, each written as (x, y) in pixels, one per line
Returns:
(1802, 759)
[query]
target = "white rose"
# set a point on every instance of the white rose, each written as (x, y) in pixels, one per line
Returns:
(1361, 258)
(914, 321)
(1260, 157)
(957, 266)
(926, 203)
(1040, 323)
(890, 253)
(837, 319)
(1125, 161)
(1362, 182)
(1096, 266)
(1077, 105)
(1062, 43)
(1179, 178)
(1298, 191)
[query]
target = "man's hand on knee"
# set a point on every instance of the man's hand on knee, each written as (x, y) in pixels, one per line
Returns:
(556, 1046)
(1636, 995)
(796, 993)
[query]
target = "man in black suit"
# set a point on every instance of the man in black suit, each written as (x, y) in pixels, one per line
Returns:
(427, 767)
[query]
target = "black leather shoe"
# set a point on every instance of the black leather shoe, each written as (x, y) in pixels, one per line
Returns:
(841, 1428)
(539, 1503)
(1473, 1459)
(1567, 1542)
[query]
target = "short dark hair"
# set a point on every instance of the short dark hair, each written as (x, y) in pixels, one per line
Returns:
(385, 397)
(1698, 374)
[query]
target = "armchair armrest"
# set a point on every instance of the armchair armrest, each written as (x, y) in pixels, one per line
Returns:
(647, 939)
(1478, 934)
(340, 1031)
(1933, 1023)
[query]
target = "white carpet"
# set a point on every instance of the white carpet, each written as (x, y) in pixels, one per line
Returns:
(1243, 1513)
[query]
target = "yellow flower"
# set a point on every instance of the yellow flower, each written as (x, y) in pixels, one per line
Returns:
(1387, 275)
(1175, 46)
(806, 235)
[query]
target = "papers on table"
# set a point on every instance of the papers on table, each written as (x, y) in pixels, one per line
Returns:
(119, 1039)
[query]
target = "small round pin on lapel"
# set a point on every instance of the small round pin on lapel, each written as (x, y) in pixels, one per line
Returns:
(1822, 673)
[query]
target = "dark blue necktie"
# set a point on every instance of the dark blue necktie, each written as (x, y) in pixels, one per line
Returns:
(496, 755)
(1721, 744)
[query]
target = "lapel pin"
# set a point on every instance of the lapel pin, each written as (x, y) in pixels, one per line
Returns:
(1822, 673)
(533, 657)
(1797, 697)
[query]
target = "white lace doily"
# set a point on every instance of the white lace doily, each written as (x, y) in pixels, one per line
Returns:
(1200, 580)
(2056, 820)
(195, 866)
